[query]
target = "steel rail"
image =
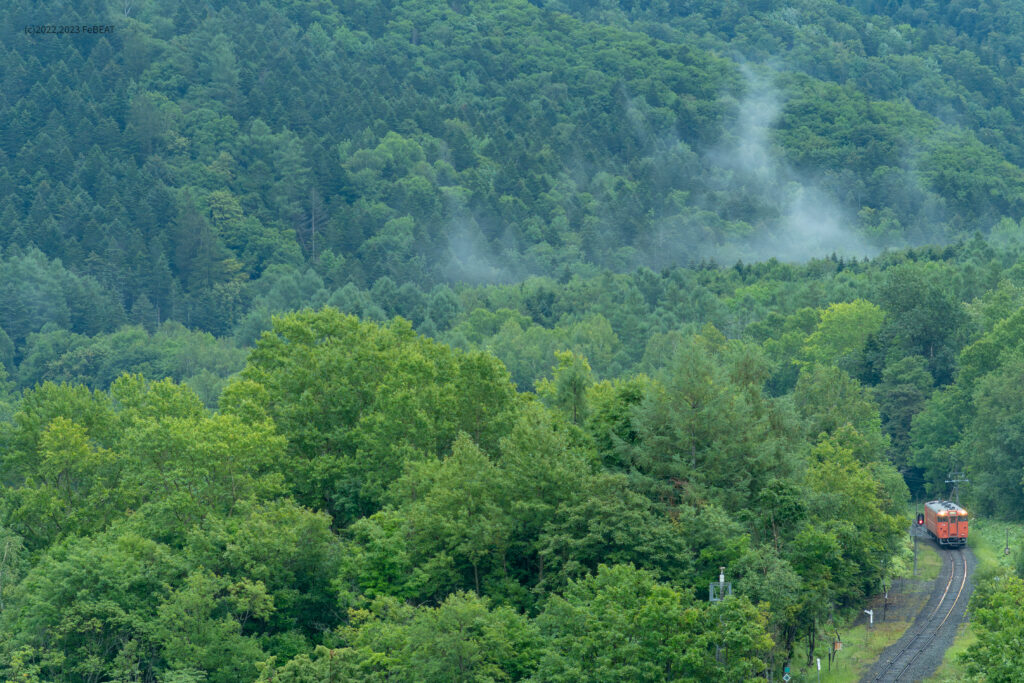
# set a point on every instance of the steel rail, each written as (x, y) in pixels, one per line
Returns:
(935, 633)
(925, 630)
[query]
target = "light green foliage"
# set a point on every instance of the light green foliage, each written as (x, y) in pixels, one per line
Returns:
(489, 499)
(39, 406)
(771, 583)
(73, 490)
(198, 627)
(828, 399)
(470, 523)
(621, 624)
(187, 463)
(855, 519)
(168, 351)
(527, 348)
(461, 640)
(451, 531)
(79, 460)
(985, 354)
(783, 338)
(545, 465)
(996, 613)
(289, 550)
(13, 561)
(994, 306)
(123, 602)
(377, 559)
(842, 333)
(460, 512)
(61, 475)
(568, 390)
(85, 608)
(610, 419)
(357, 401)
(140, 399)
(935, 432)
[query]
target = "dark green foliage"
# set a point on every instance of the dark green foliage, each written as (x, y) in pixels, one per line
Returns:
(169, 351)
(485, 141)
(706, 431)
(924, 318)
(607, 522)
(35, 292)
(994, 443)
(905, 386)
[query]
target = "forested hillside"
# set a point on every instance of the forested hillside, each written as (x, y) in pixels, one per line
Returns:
(420, 341)
(175, 159)
(369, 503)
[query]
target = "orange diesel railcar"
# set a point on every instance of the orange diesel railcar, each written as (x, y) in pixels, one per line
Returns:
(946, 522)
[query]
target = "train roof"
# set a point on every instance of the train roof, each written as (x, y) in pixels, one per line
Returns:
(944, 506)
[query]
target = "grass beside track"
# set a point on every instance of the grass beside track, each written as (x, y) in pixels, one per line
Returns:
(987, 539)
(862, 646)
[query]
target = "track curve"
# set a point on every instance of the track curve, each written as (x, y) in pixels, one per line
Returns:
(919, 652)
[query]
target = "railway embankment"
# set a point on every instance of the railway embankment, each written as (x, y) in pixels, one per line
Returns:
(894, 612)
(920, 651)
(997, 547)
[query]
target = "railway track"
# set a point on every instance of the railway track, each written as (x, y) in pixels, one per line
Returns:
(899, 666)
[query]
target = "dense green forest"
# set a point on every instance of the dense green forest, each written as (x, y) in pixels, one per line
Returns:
(174, 161)
(417, 341)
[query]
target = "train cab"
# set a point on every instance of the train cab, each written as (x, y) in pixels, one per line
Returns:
(946, 522)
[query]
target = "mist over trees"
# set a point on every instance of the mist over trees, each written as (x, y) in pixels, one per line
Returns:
(492, 141)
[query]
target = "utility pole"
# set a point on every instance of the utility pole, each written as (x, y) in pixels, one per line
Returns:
(885, 603)
(914, 532)
(957, 478)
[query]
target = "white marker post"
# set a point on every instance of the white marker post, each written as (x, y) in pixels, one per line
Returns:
(819, 669)
(871, 617)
